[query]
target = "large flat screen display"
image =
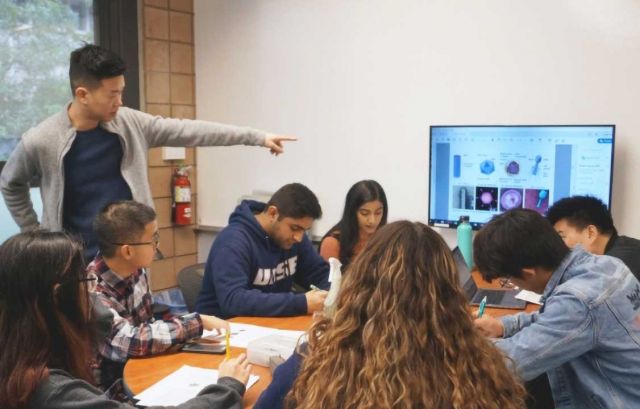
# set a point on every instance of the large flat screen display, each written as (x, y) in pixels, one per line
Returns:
(481, 171)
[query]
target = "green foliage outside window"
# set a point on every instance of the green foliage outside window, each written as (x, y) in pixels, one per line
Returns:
(37, 37)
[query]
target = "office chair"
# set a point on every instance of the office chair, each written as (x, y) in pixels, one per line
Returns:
(190, 282)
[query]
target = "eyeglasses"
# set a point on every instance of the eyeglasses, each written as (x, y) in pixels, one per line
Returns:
(155, 242)
(506, 283)
(91, 281)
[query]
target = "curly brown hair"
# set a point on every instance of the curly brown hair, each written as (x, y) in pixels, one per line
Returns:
(402, 335)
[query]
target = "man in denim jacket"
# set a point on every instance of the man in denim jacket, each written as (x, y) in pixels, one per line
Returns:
(586, 337)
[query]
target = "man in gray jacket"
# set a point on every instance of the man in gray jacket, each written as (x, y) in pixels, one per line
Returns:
(95, 150)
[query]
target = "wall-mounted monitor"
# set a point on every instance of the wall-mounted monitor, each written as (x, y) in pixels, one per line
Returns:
(481, 171)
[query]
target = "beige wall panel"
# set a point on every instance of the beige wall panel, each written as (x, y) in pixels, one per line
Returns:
(156, 23)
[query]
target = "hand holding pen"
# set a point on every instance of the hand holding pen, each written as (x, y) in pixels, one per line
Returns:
(483, 304)
(487, 325)
(315, 299)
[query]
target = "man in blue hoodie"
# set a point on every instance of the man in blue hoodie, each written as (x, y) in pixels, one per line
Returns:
(255, 260)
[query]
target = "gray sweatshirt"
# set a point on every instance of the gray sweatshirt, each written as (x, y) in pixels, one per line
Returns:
(62, 391)
(40, 154)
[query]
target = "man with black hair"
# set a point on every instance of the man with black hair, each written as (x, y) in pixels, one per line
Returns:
(255, 260)
(95, 150)
(585, 220)
(586, 336)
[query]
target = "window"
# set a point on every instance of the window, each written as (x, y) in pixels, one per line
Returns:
(37, 37)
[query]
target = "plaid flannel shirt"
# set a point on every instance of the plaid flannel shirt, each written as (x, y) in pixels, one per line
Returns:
(134, 331)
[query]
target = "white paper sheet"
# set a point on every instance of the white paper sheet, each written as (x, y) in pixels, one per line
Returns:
(180, 386)
(529, 296)
(242, 334)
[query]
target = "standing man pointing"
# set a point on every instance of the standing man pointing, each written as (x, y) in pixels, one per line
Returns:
(94, 151)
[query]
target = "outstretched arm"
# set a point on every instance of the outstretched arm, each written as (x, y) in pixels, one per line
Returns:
(274, 143)
(160, 131)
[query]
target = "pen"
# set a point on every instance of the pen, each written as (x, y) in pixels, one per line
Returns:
(227, 345)
(483, 303)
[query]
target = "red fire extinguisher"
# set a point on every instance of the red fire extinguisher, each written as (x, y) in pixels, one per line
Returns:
(181, 196)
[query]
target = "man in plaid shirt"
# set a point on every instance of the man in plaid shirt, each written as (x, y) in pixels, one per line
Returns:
(128, 239)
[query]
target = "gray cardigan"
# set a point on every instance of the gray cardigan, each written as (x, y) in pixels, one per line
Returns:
(61, 391)
(40, 154)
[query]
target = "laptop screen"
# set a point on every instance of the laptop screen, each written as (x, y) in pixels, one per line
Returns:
(468, 285)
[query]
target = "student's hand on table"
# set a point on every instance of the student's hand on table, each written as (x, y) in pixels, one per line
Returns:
(489, 326)
(315, 300)
(209, 322)
(237, 368)
(274, 143)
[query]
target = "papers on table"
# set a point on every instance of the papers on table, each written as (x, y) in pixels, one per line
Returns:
(529, 296)
(180, 386)
(242, 334)
(261, 350)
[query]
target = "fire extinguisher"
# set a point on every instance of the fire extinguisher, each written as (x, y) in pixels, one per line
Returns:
(181, 188)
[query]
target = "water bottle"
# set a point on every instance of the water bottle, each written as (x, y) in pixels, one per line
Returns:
(464, 240)
(335, 278)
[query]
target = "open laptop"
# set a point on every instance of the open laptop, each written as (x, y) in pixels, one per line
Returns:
(495, 298)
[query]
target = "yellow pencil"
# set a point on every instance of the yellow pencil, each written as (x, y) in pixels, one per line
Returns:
(228, 346)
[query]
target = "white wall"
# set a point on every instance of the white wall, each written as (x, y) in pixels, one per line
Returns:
(360, 81)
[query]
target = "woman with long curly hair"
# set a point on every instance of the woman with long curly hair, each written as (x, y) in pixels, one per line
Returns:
(45, 337)
(401, 337)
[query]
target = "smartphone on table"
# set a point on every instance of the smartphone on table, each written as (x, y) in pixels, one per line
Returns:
(204, 348)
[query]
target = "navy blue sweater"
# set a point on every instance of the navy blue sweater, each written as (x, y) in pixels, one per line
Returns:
(247, 273)
(92, 179)
(283, 378)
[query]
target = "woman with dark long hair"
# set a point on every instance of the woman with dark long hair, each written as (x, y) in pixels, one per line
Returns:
(401, 337)
(45, 337)
(365, 210)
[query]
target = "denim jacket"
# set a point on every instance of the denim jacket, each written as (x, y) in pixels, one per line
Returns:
(586, 337)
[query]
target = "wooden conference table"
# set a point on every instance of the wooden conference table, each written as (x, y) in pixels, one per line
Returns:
(141, 373)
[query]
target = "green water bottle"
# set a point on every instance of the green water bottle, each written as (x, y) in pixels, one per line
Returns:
(465, 240)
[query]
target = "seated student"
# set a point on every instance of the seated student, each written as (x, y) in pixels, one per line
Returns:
(127, 235)
(586, 336)
(585, 220)
(45, 335)
(365, 210)
(255, 259)
(401, 337)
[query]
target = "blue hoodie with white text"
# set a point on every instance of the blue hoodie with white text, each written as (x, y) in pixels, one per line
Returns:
(248, 274)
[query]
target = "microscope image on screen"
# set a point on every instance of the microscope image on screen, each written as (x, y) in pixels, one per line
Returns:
(537, 199)
(487, 198)
(462, 197)
(512, 168)
(510, 198)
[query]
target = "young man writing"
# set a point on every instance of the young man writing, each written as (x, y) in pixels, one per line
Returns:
(95, 150)
(585, 220)
(255, 260)
(127, 235)
(586, 336)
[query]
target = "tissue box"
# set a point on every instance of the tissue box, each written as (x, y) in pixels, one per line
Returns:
(282, 345)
